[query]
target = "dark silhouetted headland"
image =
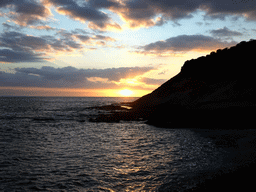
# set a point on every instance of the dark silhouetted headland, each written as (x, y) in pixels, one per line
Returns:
(216, 94)
(216, 90)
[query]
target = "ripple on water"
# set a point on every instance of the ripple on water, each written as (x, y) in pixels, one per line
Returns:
(74, 156)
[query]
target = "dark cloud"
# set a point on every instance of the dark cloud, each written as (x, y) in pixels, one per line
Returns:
(69, 73)
(21, 42)
(144, 12)
(88, 39)
(31, 8)
(104, 3)
(120, 73)
(26, 12)
(83, 36)
(219, 16)
(11, 56)
(147, 13)
(80, 31)
(20, 79)
(18, 47)
(84, 13)
(137, 13)
(105, 38)
(97, 19)
(29, 44)
(225, 32)
(31, 48)
(217, 8)
(175, 9)
(38, 47)
(230, 7)
(69, 77)
(185, 43)
(4, 3)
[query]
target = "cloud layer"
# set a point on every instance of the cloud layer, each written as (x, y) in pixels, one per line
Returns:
(20, 47)
(70, 77)
(26, 12)
(225, 32)
(145, 12)
(136, 13)
(7, 55)
(84, 12)
(184, 43)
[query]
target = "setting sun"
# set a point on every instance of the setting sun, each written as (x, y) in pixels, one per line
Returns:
(126, 92)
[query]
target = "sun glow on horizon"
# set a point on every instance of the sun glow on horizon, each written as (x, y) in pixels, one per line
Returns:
(126, 92)
(69, 92)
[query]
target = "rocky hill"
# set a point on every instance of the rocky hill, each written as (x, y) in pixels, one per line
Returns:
(219, 88)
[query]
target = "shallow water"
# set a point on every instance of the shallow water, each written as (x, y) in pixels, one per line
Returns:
(47, 144)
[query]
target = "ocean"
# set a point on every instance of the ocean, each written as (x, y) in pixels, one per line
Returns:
(48, 144)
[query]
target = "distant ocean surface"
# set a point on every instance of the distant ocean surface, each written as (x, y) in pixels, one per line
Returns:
(48, 144)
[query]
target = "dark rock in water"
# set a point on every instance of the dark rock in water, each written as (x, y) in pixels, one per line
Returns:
(121, 107)
(81, 120)
(216, 90)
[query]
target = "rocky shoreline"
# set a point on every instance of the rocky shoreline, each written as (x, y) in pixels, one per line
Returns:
(217, 90)
(215, 97)
(223, 118)
(239, 141)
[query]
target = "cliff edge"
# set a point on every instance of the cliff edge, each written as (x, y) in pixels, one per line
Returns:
(218, 89)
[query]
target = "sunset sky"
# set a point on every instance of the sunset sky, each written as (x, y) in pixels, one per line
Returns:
(101, 47)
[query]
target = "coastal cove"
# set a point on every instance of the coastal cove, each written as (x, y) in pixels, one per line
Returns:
(212, 90)
(50, 144)
(238, 165)
(127, 95)
(213, 103)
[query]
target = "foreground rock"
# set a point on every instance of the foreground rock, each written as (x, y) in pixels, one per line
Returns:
(216, 90)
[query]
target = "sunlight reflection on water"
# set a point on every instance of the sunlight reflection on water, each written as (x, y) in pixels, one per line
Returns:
(67, 155)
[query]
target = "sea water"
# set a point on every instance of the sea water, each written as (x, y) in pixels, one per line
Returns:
(48, 144)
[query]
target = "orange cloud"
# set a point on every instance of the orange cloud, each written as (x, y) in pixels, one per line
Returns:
(133, 22)
(105, 27)
(43, 27)
(135, 13)
(97, 19)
